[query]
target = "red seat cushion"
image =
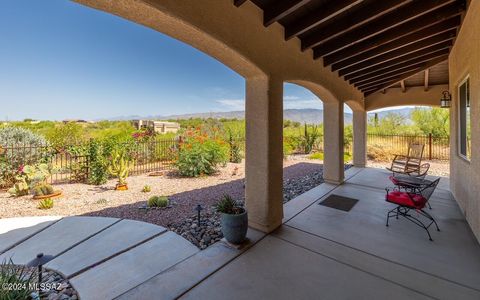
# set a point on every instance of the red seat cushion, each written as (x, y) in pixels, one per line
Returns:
(404, 199)
(393, 180)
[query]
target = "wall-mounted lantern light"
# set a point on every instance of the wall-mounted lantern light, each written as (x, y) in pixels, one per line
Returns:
(446, 100)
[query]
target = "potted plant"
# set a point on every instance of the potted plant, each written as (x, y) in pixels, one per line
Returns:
(233, 219)
(119, 167)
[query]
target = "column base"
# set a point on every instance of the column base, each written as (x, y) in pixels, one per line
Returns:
(264, 228)
(333, 181)
(360, 165)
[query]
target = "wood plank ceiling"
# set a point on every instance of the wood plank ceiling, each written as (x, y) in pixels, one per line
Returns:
(373, 44)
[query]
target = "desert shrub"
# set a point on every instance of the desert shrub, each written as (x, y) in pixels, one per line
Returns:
(147, 189)
(379, 152)
(65, 134)
(13, 275)
(200, 154)
(234, 145)
(46, 204)
(98, 163)
(28, 149)
(348, 136)
(158, 201)
(319, 155)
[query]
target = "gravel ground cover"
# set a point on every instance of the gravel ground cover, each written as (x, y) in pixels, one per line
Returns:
(185, 194)
(437, 167)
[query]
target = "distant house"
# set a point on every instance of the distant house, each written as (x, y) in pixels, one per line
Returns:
(158, 126)
(76, 121)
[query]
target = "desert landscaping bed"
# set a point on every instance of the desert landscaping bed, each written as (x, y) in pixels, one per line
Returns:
(300, 175)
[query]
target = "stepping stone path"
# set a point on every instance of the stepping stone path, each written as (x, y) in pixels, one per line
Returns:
(88, 251)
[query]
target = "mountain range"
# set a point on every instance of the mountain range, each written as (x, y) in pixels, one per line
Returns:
(306, 115)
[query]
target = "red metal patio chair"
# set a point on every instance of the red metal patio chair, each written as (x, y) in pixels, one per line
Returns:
(412, 201)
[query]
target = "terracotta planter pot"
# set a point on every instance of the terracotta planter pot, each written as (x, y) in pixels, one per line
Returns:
(54, 195)
(121, 187)
(234, 227)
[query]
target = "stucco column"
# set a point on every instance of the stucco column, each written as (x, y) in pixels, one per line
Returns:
(359, 138)
(264, 153)
(333, 169)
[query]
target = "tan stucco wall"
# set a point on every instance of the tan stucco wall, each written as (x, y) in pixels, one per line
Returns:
(411, 96)
(464, 61)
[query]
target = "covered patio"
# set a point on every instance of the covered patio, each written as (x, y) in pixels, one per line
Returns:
(331, 254)
(369, 55)
(318, 252)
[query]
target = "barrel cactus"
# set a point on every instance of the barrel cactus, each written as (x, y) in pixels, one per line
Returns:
(158, 201)
(43, 190)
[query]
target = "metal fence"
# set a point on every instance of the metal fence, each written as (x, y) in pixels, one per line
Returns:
(435, 147)
(153, 156)
(69, 166)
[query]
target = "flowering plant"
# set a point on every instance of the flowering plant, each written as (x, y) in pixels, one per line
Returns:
(200, 154)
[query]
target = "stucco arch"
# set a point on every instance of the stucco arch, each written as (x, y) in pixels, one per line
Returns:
(318, 90)
(416, 96)
(355, 105)
(164, 21)
(233, 35)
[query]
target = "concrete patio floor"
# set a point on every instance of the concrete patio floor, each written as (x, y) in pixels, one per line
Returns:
(319, 253)
(324, 253)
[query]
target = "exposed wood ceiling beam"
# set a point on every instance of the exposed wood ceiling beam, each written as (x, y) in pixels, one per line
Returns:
(239, 2)
(427, 75)
(351, 55)
(402, 85)
(396, 64)
(396, 69)
(377, 26)
(278, 11)
(342, 24)
(371, 89)
(364, 65)
(382, 80)
(365, 62)
(317, 17)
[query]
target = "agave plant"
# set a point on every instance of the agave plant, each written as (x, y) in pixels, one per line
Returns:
(13, 275)
(46, 203)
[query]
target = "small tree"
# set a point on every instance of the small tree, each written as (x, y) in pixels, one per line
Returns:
(432, 120)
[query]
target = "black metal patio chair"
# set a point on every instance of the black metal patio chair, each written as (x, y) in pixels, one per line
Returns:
(412, 201)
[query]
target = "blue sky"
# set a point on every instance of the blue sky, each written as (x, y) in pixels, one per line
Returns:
(61, 60)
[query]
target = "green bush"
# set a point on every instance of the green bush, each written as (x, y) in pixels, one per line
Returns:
(46, 204)
(147, 189)
(98, 163)
(65, 134)
(235, 149)
(200, 154)
(158, 201)
(29, 149)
